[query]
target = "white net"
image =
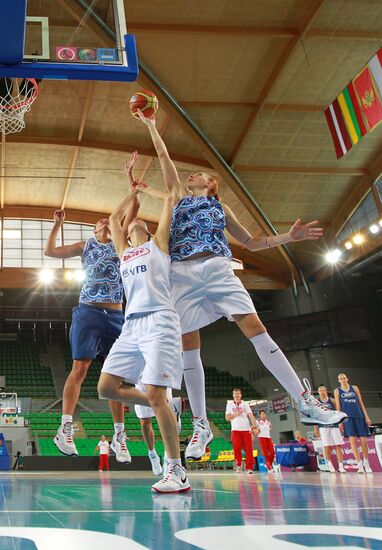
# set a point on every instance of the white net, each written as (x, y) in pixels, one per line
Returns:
(16, 99)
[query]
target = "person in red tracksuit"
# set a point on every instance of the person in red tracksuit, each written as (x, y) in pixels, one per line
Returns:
(104, 448)
(238, 412)
(264, 435)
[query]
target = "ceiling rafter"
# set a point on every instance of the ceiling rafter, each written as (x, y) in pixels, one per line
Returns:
(264, 266)
(103, 145)
(306, 170)
(275, 75)
(289, 107)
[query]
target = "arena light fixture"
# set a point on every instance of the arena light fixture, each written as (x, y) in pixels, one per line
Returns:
(358, 239)
(380, 222)
(46, 276)
(348, 245)
(333, 256)
(79, 275)
(69, 275)
(374, 228)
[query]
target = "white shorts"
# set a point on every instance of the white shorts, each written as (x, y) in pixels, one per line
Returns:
(206, 289)
(149, 347)
(146, 412)
(331, 437)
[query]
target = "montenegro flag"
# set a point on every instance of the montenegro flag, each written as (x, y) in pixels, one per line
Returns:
(368, 97)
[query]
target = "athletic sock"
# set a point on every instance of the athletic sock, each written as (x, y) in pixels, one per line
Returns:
(195, 383)
(119, 427)
(275, 361)
(66, 418)
(153, 453)
(174, 462)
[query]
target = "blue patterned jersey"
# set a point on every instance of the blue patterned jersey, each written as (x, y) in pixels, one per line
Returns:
(350, 403)
(197, 226)
(103, 282)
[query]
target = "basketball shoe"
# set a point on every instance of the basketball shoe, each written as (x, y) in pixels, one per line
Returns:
(175, 481)
(155, 464)
(313, 412)
(366, 467)
(201, 437)
(178, 406)
(64, 440)
(118, 445)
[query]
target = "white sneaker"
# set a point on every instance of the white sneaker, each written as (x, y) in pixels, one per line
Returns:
(250, 472)
(341, 469)
(118, 445)
(174, 482)
(330, 466)
(367, 468)
(313, 412)
(156, 465)
(238, 469)
(64, 440)
(165, 464)
(201, 437)
(178, 406)
(360, 468)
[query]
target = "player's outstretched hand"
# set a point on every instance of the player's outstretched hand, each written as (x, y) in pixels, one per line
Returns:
(146, 120)
(139, 185)
(129, 164)
(303, 232)
(59, 217)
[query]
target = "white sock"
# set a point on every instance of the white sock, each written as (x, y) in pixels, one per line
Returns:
(153, 453)
(66, 418)
(119, 427)
(275, 361)
(195, 384)
(366, 461)
(174, 462)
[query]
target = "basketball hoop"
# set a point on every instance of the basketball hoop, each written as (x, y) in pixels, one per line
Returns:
(16, 98)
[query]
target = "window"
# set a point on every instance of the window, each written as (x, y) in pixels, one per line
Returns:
(364, 215)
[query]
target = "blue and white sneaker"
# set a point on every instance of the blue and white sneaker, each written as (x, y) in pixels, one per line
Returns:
(312, 412)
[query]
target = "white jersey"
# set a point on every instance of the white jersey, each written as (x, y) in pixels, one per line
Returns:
(145, 275)
(239, 423)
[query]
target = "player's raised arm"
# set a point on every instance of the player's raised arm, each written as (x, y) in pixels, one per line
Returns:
(298, 232)
(65, 251)
(170, 174)
(121, 217)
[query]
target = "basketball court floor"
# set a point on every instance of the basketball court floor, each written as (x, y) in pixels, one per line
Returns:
(223, 511)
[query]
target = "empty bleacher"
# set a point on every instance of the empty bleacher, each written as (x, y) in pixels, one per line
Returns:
(221, 384)
(24, 372)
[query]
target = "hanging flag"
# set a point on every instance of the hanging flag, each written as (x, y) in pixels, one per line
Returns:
(375, 65)
(337, 126)
(349, 92)
(368, 97)
(350, 120)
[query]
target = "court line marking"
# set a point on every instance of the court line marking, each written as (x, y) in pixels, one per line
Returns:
(217, 510)
(50, 514)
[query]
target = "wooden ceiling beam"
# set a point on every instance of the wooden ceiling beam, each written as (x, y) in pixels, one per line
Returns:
(288, 107)
(255, 32)
(275, 75)
(263, 266)
(306, 170)
(347, 35)
(103, 145)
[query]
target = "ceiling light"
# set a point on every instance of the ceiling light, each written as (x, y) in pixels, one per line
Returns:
(348, 245)
(380, 222)
(358, 239)
(333, 256)
(79, 275)
(374, 228)
(69, 275)
(46, 276)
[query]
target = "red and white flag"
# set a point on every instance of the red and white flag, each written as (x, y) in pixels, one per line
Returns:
(337, 127)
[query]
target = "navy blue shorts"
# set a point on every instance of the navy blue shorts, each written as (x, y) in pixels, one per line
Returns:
(356, 427)
(94, 330)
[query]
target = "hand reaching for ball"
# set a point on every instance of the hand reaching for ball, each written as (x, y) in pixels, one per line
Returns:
(139, 185)
(59, 217)
(146, 120)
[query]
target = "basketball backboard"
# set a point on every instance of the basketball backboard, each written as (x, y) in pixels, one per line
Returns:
(73, 39)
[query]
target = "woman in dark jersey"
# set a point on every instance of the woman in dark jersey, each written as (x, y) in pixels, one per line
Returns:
(349, 400)
(96, 322)
(204, 288)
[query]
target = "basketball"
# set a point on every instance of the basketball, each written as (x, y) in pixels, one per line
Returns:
(146, 102)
